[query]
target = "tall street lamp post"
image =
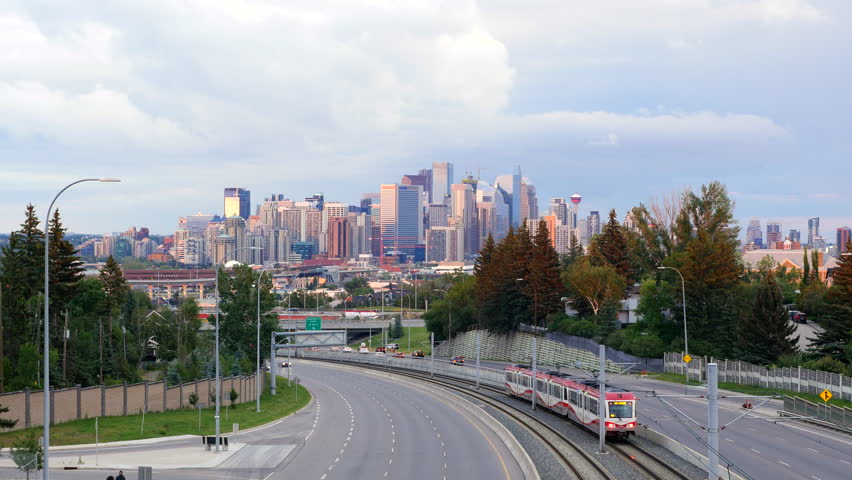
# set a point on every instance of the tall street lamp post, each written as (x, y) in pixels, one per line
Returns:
(683, 292)
(46, 401)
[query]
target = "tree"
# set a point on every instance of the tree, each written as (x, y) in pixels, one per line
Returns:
(66, 270)
(765, 333)
(233, 396)
(806, 269)
(595, 284)
(27, 452)
(5, 423)
(575, 253)
(238, 304)
(542, 282)
(193, 398)
(611, 246)
(836, 336)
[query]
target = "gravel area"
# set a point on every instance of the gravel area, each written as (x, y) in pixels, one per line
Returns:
(548, 466)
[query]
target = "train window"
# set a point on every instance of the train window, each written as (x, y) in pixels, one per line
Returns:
(620, 410)
(593, 405)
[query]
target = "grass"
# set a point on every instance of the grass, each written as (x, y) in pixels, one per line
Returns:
(175, 422)
(755, 390)
(419, 340)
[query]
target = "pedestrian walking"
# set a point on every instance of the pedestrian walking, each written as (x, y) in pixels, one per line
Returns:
(120, 475)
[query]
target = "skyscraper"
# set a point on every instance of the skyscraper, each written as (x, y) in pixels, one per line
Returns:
(400, 219)
(442, 178)
(843, 236)
(235, 227)
(237, 202)
(593, 224)
(464, 211)
(753, 233)
(773, 234)
(338, 237)
(424, 179)
(795, 235)
(559, 209)
(813, 230)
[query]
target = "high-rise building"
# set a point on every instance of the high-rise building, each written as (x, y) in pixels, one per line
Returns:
(424, 179)
(332, 210)
(492, 213)
(773, 233)
(400, 221)
(255, 245)
(438, 215)
(369, 201)
(593, 224)
(223, 248)
(844, 234)
(514, 191)
(464, 212)
(316, 201)
(754, 235)
(278, 244)
(237, 202)
(442, 178)
(235, 227)
(813, 230)
(338, 237)
(532, 200)
(795, 235)
(559, 209)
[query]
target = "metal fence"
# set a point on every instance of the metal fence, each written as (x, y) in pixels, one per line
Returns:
(487, 376)
(617, 356)
(828, 413)
(800, 380)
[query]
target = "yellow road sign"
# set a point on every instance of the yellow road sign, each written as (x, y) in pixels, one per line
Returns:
(825, 395)
(687, 358)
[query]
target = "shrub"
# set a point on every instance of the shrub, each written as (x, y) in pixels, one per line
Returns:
(582, 328)
(826, 364)
(616, 339)
(193, 398)
(645, 345)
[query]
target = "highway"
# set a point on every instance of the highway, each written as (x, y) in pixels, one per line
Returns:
(763, 449)
(357, 426)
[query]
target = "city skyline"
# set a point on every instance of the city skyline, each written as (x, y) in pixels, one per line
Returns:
(617, 102)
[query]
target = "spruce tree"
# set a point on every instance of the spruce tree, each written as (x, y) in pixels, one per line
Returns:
(612, 247)
(765, 333)
(543, 284)
(65, 271)
(806, 270)
(836, 336)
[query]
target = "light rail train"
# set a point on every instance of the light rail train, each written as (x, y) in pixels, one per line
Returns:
(576, 398)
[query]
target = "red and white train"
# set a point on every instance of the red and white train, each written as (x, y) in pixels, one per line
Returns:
(577, 398)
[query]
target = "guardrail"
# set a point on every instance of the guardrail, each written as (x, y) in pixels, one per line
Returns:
(486, 376)
(827, 413)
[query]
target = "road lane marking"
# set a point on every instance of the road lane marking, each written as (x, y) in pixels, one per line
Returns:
(782, 463)
(811, 449)
(729, 440)
(755, 451)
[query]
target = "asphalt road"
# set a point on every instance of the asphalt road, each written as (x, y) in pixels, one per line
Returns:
(358, 427)
(759, 446)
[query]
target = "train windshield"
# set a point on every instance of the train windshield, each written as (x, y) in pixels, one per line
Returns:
(620, 409)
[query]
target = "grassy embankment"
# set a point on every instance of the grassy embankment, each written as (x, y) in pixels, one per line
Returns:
(419, 340)
(754, 390)
(175, 422)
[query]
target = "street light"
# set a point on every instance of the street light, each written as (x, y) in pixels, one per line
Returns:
(685, 338)
(46, 401)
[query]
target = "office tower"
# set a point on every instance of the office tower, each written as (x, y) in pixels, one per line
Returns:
(424, 179)
(256, 249)
(303, 250)
(181, 236)
(338, 237)
(333, 210)
(562, 242)
(316, 201)
(442, 178)
(438, 215)
(235, 227)
(813, 230)
(559, 209)
(795, 235)
(753, 233)
(277, 247)
(313, 229)
(142, 234)
(223, 248)
(237, 202)
(492, 213)
(436, 243)
(195, 224)
(369, 201)
(464, 212)
(593, 224)
(292, 219)
(583, 230)
(773, 234)
(359, 234)
(843, 237)
(532, 199)
(400, 220)
(192, 252)
(269, 210)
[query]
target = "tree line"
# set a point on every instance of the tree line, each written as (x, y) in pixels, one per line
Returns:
(103, 332)
(731, 311)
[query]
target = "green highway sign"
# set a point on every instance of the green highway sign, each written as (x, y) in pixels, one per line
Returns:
(313, 323)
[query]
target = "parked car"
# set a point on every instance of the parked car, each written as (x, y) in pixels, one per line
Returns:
(418, 354)
(798, 317)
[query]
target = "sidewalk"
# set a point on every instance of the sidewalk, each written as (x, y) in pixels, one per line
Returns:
(129, 458)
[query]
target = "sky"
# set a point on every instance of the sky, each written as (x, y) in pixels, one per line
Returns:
(619, 100)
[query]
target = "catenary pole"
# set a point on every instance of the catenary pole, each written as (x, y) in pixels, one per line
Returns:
(602, 399)
(713, 421)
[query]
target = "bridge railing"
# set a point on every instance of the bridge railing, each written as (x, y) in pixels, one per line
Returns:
(487, 376)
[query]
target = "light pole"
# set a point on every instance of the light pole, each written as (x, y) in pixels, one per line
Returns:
(685, 338)
(257, 375)
(46, 401)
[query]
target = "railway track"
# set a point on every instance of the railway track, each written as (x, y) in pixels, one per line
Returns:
(574, 457)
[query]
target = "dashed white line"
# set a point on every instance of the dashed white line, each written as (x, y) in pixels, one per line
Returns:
(782, 463)
(755, 451)
(811, 449)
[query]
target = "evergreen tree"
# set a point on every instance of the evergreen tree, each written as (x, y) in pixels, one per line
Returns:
(836, 337)
(66, 270)
(815, 266)
(542, 282)
(765, 333)
(612, 248)
(806, 269)
(5, 423)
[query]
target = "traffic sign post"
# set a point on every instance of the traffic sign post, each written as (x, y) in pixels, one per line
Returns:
(825, 395)
(687, 358)
(313, 323)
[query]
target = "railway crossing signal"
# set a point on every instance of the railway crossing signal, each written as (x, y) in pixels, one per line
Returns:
(825, 395)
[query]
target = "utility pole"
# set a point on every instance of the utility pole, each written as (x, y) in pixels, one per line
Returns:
(65, 348)
(602, 400)
(713, 420)
(534, 372)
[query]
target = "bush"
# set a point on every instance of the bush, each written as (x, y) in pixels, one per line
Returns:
(616, 339)
(193, 398)
(645, 345)
(826, 364)
(582, 328)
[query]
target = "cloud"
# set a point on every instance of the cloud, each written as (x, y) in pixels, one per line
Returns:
(96, 119)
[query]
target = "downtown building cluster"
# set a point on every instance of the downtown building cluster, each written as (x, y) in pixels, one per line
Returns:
(428, 216)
